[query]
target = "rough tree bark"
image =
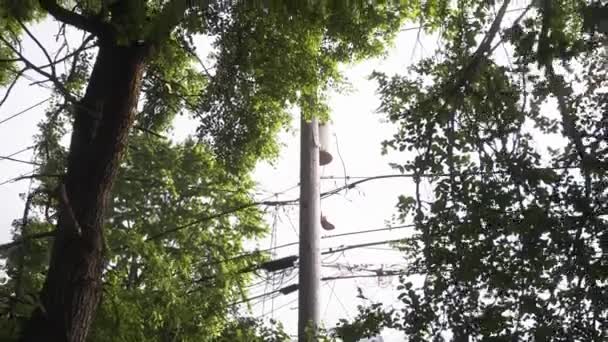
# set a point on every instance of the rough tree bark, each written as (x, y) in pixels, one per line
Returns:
(72, 289)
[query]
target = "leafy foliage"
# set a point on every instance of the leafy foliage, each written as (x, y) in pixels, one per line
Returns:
(253, 330)
(171, 222)
(161, 285)
(510, 242)
(266, 64)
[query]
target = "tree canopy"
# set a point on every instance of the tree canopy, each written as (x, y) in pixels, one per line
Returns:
(507, 124)
(147, 227)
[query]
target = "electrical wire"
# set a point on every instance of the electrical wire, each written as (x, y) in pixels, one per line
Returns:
(257, 252)
(25, 110)
(19, 160)
(273, 236)
(338, 300)
(281, 307)
(21, 151)
(369, 231)
(340, 157)
(333, 250)
(329, 278)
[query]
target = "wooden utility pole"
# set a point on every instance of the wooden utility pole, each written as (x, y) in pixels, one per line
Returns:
(310, 219)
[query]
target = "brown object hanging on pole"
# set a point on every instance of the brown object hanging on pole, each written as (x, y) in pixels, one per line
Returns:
(326, 224)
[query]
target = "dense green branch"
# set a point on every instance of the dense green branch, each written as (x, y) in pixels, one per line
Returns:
(170, 16)
(23, 239)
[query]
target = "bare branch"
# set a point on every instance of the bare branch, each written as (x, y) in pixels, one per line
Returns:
(46, 53)
(28, 175)
(39, 70)
(62, 47)
(515, 22)
(39, 83)
(56, 82)
(12, 85)
(83, 47)
(485, 47)
(193, 53)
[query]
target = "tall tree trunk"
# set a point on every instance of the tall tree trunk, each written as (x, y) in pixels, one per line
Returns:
(72, 289)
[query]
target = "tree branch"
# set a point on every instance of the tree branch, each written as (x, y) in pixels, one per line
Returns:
(40, 46)
(21, 240)
(170, 16)
(9, 60)
(56, 82)
(485, 47)
(589, 162)
(83, 47)
(39, 70)
(37, 175)
(12, 85)
(79, 21)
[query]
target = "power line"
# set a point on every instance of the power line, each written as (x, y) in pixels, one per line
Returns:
(328, 194)
(272, 244)
(260, 251)
(369, 231)
(333, 250)
(334, 295)
(364, 179)
(244, 206)
(294, 287)
(284, 290)
(356, 276)
(10, 156)
(280, 307)
(289, 261)
(21, 151)
(25, 110)
(19, 160)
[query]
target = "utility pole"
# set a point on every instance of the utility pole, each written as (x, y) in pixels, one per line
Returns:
(310, 220)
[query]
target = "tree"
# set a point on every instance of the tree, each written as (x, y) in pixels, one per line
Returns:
(253, 330)
(154, 288)
(144, 49)
(511, 243)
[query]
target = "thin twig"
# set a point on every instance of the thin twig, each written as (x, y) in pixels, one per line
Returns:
(59, 85)
(12, 85)
(37, 42)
